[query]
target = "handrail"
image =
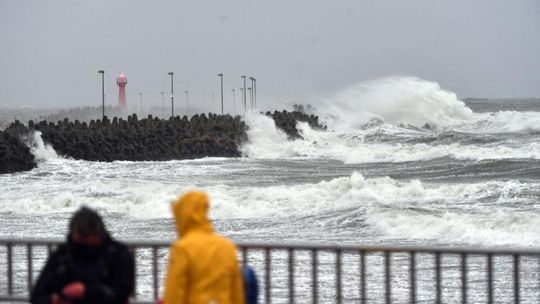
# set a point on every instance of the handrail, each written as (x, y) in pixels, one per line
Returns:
(308, 246)
(464, 262)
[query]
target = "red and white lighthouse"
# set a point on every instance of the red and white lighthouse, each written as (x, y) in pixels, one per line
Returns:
(121, 81)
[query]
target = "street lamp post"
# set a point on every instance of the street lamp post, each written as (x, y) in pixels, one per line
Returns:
(250, 97)
(255, 91)
(234, 101)
(242, 96)
(163, 103)
(102, 72)
(221, 77)
(187, 101)
(244, 92)
(172, 93)
(251, 93)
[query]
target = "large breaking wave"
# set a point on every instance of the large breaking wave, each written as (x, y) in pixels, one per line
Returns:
(412, 119)
(411, 101)
(267, 142)
(396, 100)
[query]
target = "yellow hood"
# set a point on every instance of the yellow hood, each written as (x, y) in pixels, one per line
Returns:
(191, 213)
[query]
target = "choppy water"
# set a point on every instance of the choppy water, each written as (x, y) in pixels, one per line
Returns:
(405, 162)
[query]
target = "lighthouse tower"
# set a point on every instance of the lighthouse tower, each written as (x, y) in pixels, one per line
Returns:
(121, 81)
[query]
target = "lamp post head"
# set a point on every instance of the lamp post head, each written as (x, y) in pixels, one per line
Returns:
(220, 74)
(101, 71)
(251, 78)
(171, 73)
(243, 76)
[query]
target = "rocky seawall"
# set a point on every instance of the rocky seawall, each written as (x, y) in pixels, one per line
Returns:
(15, 156)
(286, 121)
(134, 139)
(148, 139)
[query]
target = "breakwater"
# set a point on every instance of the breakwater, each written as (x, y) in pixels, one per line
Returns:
(134, 139)
(148, 139)
(15, 156)
(286, 121)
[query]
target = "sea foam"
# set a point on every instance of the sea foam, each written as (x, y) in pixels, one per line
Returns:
(389, 208)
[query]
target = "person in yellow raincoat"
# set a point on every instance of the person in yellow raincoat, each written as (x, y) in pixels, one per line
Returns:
(203, 266)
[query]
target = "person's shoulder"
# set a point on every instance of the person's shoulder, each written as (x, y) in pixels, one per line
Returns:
(182, 243)
(117, 245)
(60, 250)
(118, 248)
(59, 253)
(225, 241)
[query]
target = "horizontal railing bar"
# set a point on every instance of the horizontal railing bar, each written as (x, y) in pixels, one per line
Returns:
(14, 299)
(25, 300)
(154, 246)
(263, 246)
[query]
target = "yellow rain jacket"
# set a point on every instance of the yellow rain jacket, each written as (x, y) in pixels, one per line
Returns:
(203, 267)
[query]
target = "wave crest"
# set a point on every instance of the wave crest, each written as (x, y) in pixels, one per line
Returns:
(397, 100)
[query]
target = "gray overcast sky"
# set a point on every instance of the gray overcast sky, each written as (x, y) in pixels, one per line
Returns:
(51, 50)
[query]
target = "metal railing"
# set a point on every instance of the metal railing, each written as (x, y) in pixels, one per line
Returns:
(326, 274)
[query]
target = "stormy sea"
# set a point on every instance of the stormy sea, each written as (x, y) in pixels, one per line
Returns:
(403, 162)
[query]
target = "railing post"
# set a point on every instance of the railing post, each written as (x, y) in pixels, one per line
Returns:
(291, 275)
(363, 277)
(134, 252)
(267, 276)
(387, 270)
(29, 266)
(10, 268)
(516, 279)
(338, 277)
(244, 256)
(438, 276)
(314, 277)
(464, 278)
(490, 278)
(155, 274)
(412, 276)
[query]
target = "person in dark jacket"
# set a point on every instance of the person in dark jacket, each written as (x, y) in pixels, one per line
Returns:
(90, 267)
